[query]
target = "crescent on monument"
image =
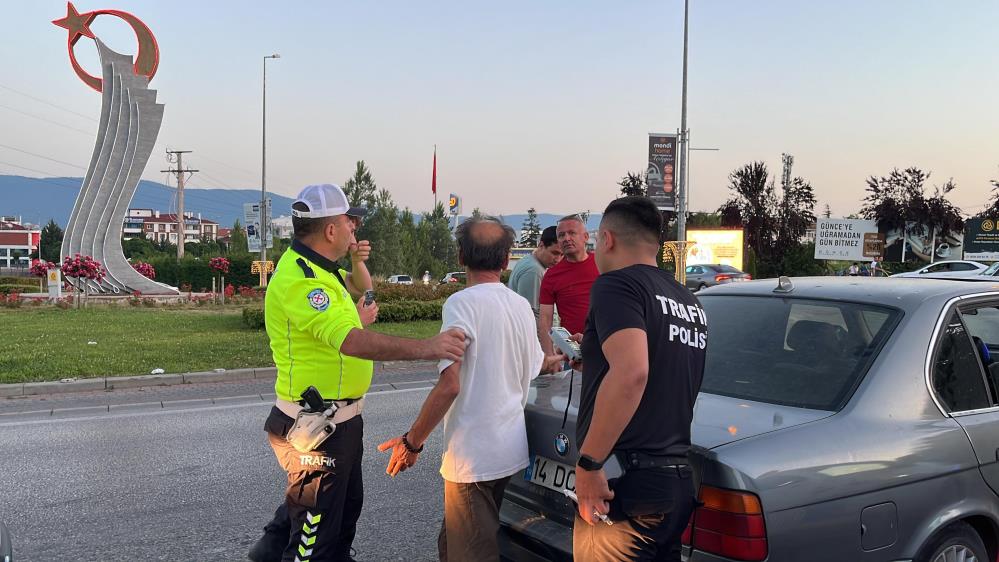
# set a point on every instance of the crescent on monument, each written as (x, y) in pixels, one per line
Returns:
(147, 59)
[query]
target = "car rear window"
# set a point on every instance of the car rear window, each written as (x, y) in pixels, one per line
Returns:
(790, 351)
(405, 278)
(726, 269)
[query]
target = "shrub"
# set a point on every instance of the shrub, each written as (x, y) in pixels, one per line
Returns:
(389, 292)
(253, 318)
(145, 269)
(18, 288)
(11, 300)
(409, 310)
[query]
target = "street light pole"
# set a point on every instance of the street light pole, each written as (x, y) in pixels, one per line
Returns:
(681, 195)
(263, 175)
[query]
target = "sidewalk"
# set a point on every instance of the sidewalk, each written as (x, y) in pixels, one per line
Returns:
(72, 385)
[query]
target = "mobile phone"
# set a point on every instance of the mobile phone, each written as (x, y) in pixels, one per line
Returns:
(563, 339)
(369, 297)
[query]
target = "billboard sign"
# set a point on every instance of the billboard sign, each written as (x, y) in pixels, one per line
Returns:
(660, 174)
(919, 243)
(981, 239)
(454, 205)
(847, 240)
(251, 219)
(717, 245)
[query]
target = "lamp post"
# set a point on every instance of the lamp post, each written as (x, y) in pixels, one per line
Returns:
(263, 174)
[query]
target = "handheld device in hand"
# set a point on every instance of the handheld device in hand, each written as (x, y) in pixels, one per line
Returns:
(563, 339)
(369, 297)
(601, 516)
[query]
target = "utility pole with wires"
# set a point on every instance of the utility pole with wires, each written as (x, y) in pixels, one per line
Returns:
(177, 157)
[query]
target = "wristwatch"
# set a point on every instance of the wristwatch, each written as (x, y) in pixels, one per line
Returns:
(588, 463)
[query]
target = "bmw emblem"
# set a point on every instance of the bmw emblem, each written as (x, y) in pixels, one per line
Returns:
(562, 444)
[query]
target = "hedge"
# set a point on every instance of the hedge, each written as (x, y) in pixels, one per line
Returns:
(408, 310)
(253, 318)
(391, 292)
(7, 289)
(196, 273)
(398, 311)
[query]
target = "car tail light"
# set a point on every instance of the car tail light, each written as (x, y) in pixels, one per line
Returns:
(729, 524)
(722, 277)
(749, 277)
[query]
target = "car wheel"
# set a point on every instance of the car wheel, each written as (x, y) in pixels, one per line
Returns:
(957, 543)
(701, 287)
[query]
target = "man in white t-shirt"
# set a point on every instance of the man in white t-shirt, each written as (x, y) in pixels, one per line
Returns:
(481, 399)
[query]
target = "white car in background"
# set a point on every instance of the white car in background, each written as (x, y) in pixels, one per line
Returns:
(400, 280)
(949, 268)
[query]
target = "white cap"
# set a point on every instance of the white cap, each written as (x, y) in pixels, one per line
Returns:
(325, 200)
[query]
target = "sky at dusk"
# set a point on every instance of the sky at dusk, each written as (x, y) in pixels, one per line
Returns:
(530, 104)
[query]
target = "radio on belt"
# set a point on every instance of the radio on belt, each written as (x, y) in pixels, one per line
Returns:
(563, 339)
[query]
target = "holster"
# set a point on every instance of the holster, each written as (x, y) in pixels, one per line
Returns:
(310, 430)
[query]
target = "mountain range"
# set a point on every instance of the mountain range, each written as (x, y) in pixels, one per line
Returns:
(36, 200)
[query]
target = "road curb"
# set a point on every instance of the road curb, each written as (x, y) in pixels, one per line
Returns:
(67, 386)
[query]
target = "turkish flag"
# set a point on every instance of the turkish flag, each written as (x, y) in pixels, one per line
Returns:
(433, 184)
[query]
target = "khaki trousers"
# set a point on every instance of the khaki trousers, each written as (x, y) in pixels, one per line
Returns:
(471, 521)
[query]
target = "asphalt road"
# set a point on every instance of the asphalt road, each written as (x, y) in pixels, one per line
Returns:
(190, 480)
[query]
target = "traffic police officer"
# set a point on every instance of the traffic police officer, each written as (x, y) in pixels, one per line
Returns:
(317, 339)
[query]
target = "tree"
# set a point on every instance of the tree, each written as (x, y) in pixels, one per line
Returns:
(633, 184)
(360, 189)
(530, 232)
(755, 200)
(381, 228)
(774, 222)
(992, 208)
(237, 239)
(898, 202)
(50, 243)
(138, 248)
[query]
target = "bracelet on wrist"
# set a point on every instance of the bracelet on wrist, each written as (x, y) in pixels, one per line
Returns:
(409, 446)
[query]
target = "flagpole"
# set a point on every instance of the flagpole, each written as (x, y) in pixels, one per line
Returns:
(435, 177)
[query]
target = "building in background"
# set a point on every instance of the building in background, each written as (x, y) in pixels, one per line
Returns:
(162, 227)
(17, 242)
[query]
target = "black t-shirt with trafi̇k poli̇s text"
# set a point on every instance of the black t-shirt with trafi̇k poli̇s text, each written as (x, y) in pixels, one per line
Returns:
(645, 297)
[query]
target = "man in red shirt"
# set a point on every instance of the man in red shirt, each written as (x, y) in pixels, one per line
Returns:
(567, 284)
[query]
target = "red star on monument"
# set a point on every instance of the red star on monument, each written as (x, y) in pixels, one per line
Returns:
(77, 24)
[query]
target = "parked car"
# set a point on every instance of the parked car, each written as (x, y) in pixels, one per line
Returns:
(838, 421)
(949, 268)
(6, 548)
(865, 271)
(706, 275)
(400, 280)
(453, 277)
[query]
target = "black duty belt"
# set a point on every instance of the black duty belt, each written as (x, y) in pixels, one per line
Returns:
(638, 460)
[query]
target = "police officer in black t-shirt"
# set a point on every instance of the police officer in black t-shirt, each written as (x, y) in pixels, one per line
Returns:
(643, 360)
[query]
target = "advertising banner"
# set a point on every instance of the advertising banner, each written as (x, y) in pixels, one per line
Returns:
(981, 239)
(917, 244)
(717, 245)
(847, 240)
(251, 220)
(660, 175)
(454, 205)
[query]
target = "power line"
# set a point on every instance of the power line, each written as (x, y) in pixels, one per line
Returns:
(88, 133)
(40, 100)
(42, 157)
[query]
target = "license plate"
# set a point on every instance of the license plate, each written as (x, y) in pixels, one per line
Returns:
(550, 474)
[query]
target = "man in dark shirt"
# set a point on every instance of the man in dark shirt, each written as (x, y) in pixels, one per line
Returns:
(643, 360)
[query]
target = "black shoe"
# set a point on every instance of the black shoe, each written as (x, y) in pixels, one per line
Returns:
(269, 548)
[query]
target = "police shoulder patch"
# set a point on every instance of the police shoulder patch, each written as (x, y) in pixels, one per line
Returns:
(319, 300)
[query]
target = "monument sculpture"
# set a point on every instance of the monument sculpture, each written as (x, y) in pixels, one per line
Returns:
(130, 122)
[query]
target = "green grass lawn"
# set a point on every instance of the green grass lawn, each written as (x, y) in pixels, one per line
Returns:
(49, 344)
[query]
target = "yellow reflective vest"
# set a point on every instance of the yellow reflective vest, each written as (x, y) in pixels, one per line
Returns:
(308, 313)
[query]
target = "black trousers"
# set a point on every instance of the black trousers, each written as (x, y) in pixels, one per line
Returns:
(653, 537)
(325, 492)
